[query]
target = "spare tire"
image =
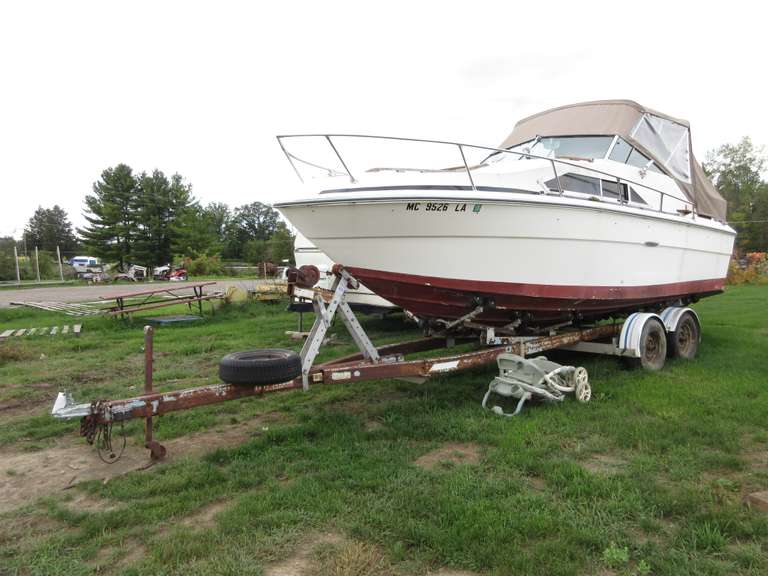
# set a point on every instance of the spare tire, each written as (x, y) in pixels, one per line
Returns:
(258, 367)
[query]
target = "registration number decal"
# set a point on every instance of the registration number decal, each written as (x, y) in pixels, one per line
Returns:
(441, 207)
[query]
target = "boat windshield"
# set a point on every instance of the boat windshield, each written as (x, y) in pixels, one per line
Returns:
(589, 147)
(583, 148)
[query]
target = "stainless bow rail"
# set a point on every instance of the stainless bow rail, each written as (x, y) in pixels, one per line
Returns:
(461, 146)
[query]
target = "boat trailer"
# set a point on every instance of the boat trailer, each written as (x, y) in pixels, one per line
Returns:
(531, 378)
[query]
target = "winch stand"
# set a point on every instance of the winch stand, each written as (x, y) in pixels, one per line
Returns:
(324, 315)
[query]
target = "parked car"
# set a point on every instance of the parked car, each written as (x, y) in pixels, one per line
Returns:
(85, 265)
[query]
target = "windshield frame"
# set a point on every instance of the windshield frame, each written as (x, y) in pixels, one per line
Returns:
(615, 139)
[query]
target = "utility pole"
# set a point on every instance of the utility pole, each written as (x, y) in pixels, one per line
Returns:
(61, 270)
(16, 260)
(37, 264)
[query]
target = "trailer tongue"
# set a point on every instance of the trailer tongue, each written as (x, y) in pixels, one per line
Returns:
(632, 339)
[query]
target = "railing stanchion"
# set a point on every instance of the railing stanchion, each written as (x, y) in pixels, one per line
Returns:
(280, 141)
(557, 178)
(466, 166)
(351, 178)
(661, 202)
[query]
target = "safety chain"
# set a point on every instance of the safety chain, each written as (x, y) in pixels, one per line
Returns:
(100, 433)
(89, 424)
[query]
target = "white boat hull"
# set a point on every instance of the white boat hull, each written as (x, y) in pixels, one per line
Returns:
(362, 299)
(536, 257)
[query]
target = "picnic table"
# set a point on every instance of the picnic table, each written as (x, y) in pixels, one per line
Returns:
(169, 292)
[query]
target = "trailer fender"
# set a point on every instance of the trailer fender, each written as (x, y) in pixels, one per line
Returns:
(682, 342)
(631, 331)
(671, 317)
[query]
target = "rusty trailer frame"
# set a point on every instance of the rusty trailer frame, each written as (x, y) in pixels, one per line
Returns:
(344, 370)
(370, 363)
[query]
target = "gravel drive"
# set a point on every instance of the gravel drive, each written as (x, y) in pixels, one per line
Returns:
(93, 293)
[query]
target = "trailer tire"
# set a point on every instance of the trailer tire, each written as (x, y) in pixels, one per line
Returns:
(653, 346)
(684, 341)
(260, 367)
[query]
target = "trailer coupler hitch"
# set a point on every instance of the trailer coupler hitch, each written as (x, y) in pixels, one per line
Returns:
(97, 418)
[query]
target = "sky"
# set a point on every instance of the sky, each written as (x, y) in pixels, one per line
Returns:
(202, 88)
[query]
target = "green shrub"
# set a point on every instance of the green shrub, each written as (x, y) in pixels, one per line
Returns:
(616, 556)
(756, 273)
(203, 265)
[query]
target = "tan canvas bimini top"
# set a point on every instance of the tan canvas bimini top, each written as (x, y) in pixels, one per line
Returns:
(664, 139)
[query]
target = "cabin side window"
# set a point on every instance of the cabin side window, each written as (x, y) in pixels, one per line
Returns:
(614, 190)
(576, 183)
(609, 189)
(635, 197)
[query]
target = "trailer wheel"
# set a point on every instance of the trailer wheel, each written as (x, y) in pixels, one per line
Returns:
(258, 367)
(684, 341)
(653, 345)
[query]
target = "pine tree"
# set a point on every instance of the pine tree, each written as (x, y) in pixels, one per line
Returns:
(49, 228)
(110, 212)
(160, 206)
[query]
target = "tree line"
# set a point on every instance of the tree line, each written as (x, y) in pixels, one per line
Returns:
(737, 172)
(151, 219)
(148, 218)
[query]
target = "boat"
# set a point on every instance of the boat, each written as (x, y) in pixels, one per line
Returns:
(584, 212)
(361, 299)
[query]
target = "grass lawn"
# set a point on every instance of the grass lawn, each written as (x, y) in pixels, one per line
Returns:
(387, 477)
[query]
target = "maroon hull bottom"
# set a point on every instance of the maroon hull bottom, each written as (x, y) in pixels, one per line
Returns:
(428, 297)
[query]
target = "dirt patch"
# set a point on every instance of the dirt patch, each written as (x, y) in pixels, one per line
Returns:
(640, 537)
(536, 483)
(373, 425)
(448, 454)
(25, 476)
(756, 460)
(85, 502)
(303, 562)
(206, 516)
(331, 554)
(22, 406)
(135, 552)
(26, 529)
(604, 464)
(353, 559)
(112, 559)
(103, 560)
